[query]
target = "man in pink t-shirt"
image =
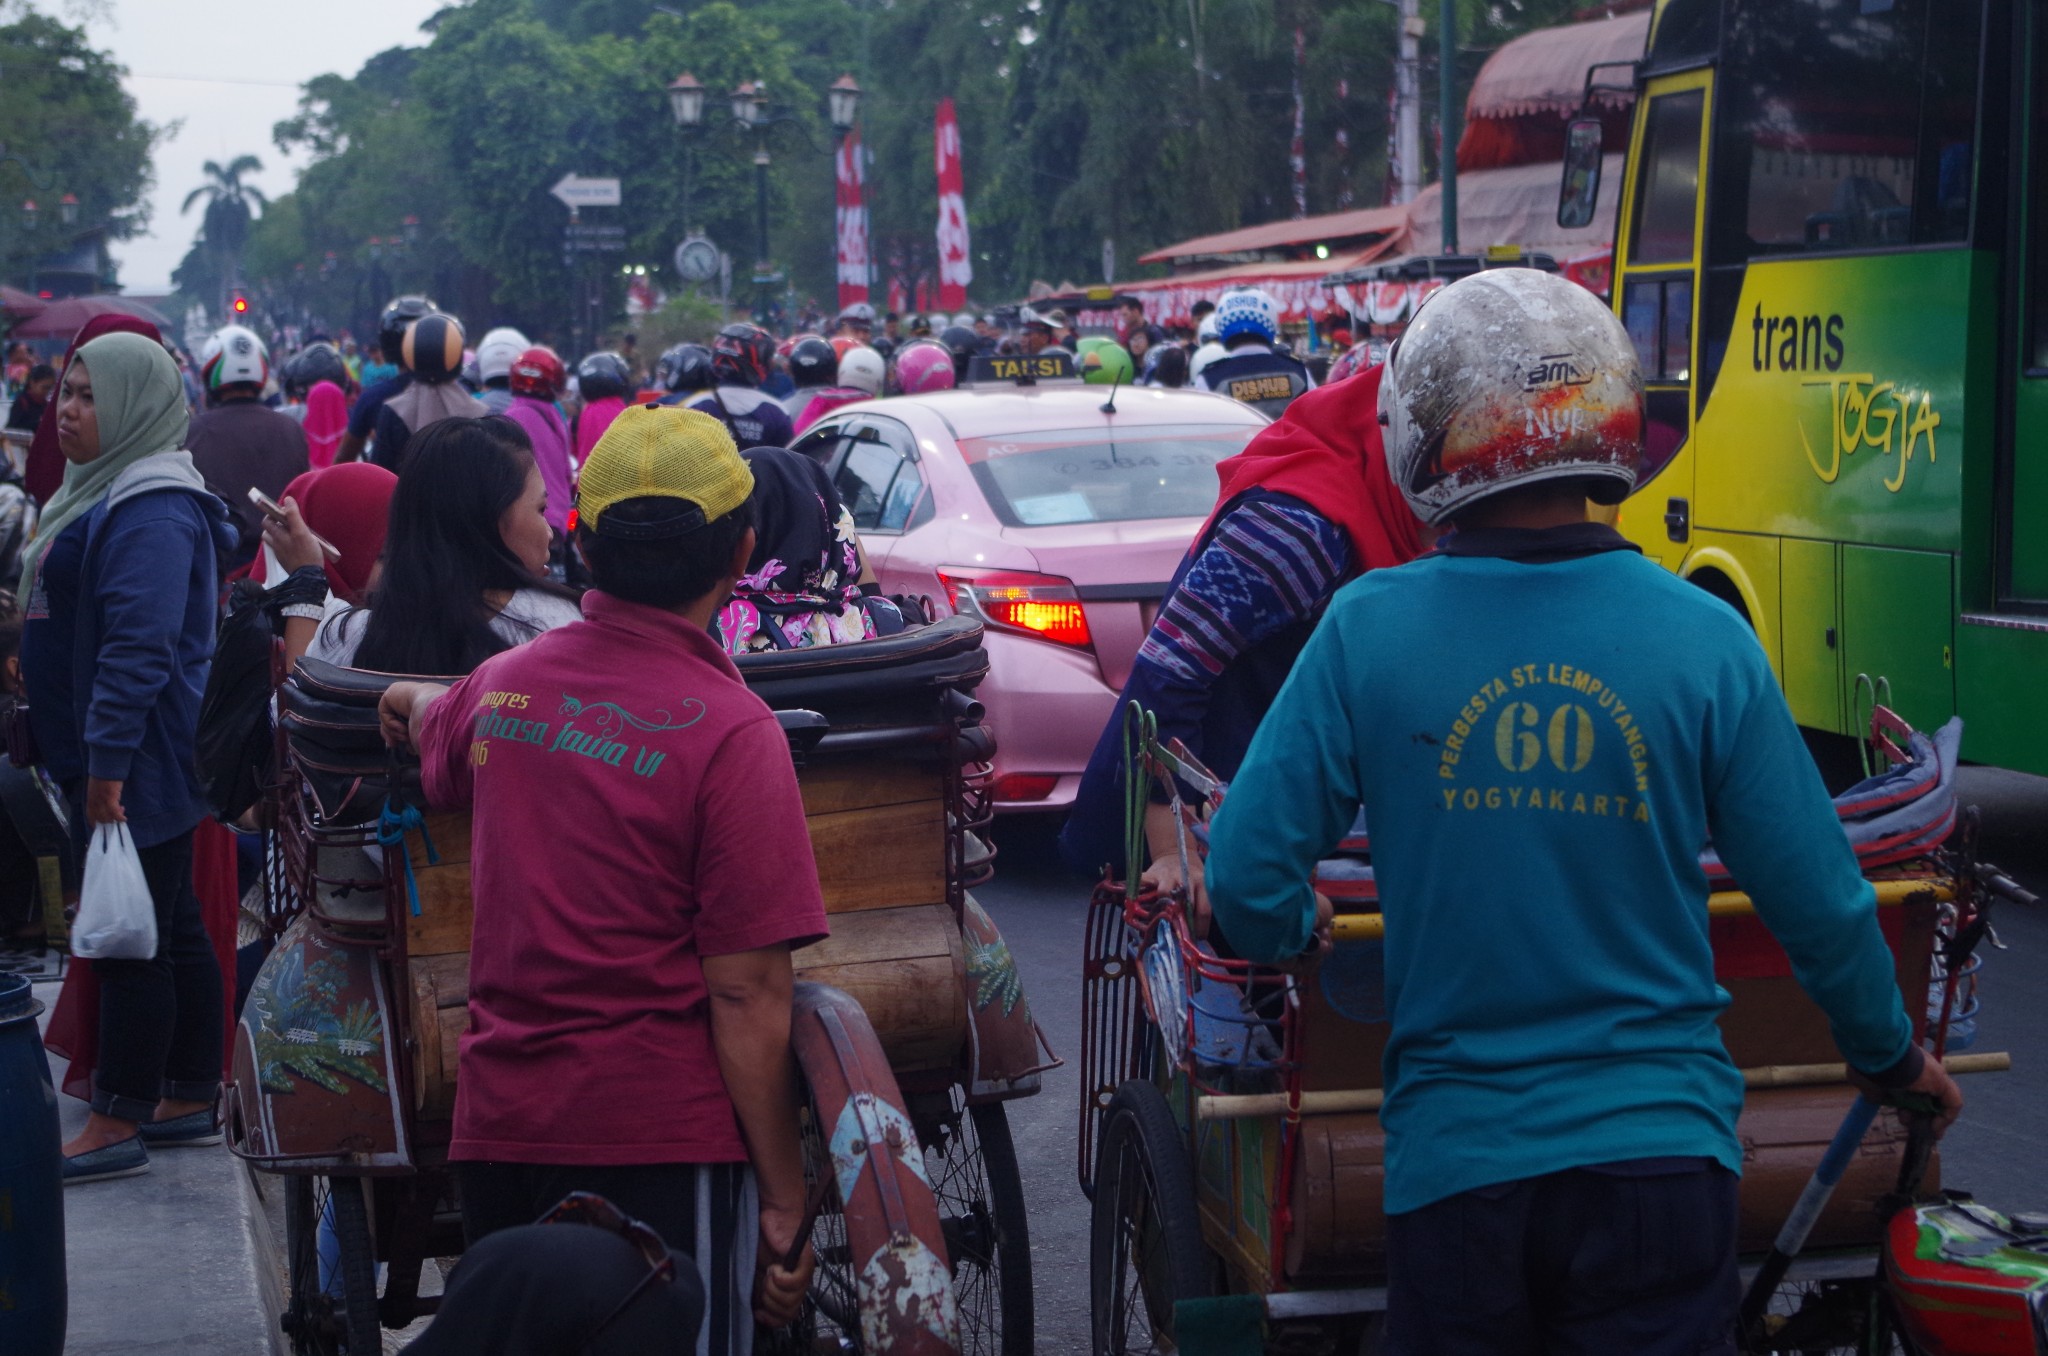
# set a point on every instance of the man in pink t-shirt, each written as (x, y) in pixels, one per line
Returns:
(641, 872)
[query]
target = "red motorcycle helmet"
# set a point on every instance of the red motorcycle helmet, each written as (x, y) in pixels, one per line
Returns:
(741, 354)
(537, 372)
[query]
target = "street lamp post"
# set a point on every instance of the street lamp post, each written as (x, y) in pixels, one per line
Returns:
(750, 113)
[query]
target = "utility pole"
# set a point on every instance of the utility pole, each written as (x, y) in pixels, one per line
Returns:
(1408, 100)
(1447, 98)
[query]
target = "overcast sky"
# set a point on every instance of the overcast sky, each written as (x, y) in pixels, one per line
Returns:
(229, 72)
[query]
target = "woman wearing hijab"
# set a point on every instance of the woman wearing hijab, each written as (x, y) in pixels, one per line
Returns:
(326, 422)
(802, 585)
(44, 470)
(1308, 506)
(350, 506)
(432, 348)
(119, 630)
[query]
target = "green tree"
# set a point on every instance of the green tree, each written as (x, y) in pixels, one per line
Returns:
(63, 111)
(224, 226)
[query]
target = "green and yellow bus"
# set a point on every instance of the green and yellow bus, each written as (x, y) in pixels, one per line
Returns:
(1832, 253)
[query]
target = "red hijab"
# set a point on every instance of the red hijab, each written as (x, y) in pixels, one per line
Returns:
(1325, 450)
(45, 469)
(326, 421)
(350, 505)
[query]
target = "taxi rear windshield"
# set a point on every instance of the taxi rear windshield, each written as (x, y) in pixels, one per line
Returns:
(1054, 479)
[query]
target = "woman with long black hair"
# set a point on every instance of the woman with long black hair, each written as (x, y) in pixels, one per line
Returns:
(465, 559)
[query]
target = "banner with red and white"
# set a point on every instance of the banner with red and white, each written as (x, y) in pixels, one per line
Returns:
(850, 217)
(956, 268)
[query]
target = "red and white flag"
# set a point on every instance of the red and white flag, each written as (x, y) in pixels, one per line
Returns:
(956, 268)
(850, 217)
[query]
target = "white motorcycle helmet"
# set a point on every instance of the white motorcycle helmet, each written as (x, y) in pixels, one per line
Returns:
(1511, 377)
(498, 351)
(234, 356)
(1208, 353)
(1247, 310)
(862, 369)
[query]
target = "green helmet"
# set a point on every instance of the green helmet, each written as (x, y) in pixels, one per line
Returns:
(1105, 362)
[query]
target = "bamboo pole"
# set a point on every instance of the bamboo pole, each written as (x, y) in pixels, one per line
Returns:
(1371, 927)
(1232, 1108)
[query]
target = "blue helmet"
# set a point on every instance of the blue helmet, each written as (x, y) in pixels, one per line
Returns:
(1247, 311)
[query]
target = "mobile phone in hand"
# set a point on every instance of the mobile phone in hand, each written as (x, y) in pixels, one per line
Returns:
(275, 512)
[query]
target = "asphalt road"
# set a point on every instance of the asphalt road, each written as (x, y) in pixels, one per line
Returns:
(1998, 1151)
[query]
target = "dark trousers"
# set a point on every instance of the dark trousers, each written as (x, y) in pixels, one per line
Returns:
(1581, 1263)
(160, 1019)
(705, 1212)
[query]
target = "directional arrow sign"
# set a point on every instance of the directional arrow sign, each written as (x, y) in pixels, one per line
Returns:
(574, 191)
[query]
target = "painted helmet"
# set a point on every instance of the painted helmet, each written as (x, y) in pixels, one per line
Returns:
(538, 373)
(234, 356)
(926, 365)
(498, 351)
(813, 362)
(742, 353)
(861, 369)
(1247, 311)
(1350, 362)
(432, 350)
(1511, 377)
(1107, 363)
(603, 374)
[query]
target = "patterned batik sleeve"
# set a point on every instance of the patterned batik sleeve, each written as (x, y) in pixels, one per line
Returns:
(1267, 566)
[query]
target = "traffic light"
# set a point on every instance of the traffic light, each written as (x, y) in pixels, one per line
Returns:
(241, 305)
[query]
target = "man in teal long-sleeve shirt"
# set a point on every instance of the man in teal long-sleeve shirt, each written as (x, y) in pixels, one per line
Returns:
(1543, 729)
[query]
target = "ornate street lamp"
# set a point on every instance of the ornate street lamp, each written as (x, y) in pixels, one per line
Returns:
(843, 102)
(28, 214)
(67, 209)
(750, 103)
(686, 100)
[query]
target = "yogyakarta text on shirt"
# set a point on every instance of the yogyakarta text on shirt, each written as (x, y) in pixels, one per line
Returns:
(1518, 725)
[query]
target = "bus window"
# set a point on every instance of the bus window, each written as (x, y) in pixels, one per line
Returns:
(1849, 125)
(1669, 187)
(1657, 312)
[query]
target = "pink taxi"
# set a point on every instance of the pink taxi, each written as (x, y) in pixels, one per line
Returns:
(1058, 522)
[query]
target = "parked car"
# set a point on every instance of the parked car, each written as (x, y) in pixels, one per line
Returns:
(1055, 519)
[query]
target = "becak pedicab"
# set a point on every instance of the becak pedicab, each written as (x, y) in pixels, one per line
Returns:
(911, 1027)
(1231, 1146)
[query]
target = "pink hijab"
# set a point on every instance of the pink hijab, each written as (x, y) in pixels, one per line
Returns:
(326, 421)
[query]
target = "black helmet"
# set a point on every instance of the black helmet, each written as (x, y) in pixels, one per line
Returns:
(741, 353)
(601, 375)
(316, 363)
(391, 325)
(684, 367)
(814, 362)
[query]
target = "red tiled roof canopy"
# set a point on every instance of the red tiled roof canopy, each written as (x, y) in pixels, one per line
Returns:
(1280, 234)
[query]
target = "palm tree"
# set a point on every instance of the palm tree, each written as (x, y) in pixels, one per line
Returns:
(225, 225)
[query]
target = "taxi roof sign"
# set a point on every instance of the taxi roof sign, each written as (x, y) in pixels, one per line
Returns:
(1023, 369)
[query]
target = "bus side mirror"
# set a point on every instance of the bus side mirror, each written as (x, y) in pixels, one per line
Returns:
(1579, 192)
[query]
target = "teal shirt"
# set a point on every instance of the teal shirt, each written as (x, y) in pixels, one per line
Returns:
(1541, 751)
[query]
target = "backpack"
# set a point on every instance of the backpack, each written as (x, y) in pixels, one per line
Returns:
(235, 750)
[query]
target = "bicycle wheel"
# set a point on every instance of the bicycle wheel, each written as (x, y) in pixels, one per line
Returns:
(972, 1162)
(1829, 1318)
(1145, 1237)
(332, 1305)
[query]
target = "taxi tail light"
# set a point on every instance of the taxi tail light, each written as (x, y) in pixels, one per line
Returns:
(1025, 786)
(1042, 605)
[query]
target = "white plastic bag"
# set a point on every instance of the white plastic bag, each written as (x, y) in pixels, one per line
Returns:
(116, 917)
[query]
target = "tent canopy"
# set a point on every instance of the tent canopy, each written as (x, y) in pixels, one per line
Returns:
(1545, 71)
(1298, 232)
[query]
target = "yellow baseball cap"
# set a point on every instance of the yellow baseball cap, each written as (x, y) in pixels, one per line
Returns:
(667, 452)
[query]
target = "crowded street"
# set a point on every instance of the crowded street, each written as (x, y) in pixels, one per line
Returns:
(960, 678)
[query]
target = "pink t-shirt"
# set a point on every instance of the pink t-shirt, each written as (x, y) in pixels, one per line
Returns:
(634, 808)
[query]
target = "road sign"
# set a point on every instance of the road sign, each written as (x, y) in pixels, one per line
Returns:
(582, 232)
(697, 260)
(575, 192)
(610, 246)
